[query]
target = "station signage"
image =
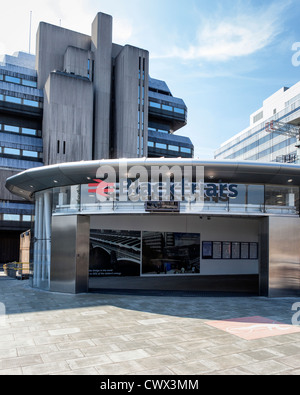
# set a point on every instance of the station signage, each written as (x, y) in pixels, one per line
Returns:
(157, 184)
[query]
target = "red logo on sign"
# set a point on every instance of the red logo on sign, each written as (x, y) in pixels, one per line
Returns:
(102, 188)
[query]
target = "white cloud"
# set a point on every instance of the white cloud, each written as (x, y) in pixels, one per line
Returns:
(221, 39)
(122, 30)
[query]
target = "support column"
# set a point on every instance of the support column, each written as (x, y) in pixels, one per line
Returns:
(280, 257)
(70, 248)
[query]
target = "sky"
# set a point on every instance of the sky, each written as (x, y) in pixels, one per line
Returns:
(222, 57)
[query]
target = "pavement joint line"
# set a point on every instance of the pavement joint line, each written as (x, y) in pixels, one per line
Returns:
(46, 333)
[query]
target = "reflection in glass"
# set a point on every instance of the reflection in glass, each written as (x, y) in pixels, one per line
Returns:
(171, 253)
(114, 253)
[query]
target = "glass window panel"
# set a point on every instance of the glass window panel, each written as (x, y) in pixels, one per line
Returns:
(282, 196)
(108, 256)
(150, 144)
(1, 97)
(9, 128)
(32, 84)
(179, 110)
(161, 146)
(173, 148)
(11, 217)
(15, 80)
(1, 77)
(163, 131)
(26, 218)
(241, 195)
(153, 104)
(168, 108)
(12, 99)
(11, 151)
(256, 194)
(32, 154)
(31, 103)
(32, 132)
(170, 253)
(186, 150)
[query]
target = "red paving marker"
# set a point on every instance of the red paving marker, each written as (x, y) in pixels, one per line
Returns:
(251, 328)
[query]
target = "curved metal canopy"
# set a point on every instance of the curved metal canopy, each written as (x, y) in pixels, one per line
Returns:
(25, 184)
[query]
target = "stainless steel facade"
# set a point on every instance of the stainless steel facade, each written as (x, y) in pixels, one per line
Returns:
(70, 254)
(273, 226)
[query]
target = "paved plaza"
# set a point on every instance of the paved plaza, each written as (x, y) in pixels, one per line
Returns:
(114, 334)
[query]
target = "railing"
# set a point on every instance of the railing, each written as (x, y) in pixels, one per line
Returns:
(19, 270)
(185, 208)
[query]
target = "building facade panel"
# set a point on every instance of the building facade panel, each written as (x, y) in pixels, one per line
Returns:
(80, 98)
(159, 239)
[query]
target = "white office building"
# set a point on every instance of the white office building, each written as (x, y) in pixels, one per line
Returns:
(272, 134)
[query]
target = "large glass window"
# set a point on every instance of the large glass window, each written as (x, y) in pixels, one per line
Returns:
(282, 196)
(170, 253)
(115, 253)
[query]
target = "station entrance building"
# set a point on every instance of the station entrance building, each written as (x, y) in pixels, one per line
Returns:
(164, 225)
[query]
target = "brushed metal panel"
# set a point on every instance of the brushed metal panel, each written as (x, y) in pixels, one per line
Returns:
(264, 257)
(284, 256)
(63, 251)
(82, 254)
(69, 254)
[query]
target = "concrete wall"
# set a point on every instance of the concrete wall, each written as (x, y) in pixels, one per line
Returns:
(76, 61)
(68, 118)
(101, 47)
(127, 107)
(51, 45)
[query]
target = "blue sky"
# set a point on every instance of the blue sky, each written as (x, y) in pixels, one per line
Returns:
(222, 57)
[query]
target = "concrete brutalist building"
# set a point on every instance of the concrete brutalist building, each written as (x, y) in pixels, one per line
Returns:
(81, 98)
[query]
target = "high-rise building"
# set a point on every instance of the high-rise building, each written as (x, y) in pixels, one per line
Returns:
(21, 145)
(270, 136)
(80, 98)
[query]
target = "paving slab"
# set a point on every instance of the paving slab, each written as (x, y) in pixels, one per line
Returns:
(43, 333)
